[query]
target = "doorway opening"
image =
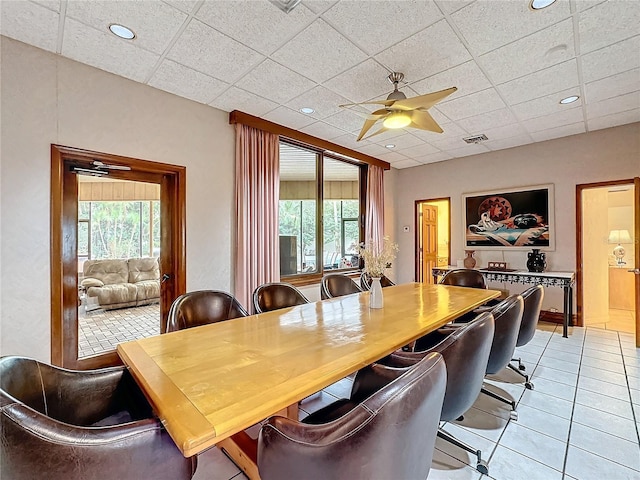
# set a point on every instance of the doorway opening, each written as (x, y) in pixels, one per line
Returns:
(433, 233)
(117, 248)
(607, 255)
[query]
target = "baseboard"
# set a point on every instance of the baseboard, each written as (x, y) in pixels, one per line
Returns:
(554, 317)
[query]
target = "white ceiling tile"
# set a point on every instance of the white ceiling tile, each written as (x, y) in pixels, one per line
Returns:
(428, 52)
(542, 49)
(554, 120)
(612, 86)
(472, 149)
(50, 4)
(510, 142)
(406, 164)
(347, 120)
(402, 142)
(287, 117)
(467, 77)
(450, 130)
(387, 136)
(550, 80)
(546, 105)
(506, 20)
(323, 130)
(506, 131)
(475, 104)
(324, 101)
(184, 5)
(487, 120)
(238, 99)
(392, 157)
(361, 83)
(275, 82)
(611, 60)
(450, 143)
(319, 52)
(105, 51)
(433, 157)
(373, 149)
(185, 82)
(154, 23)
(245, 20)
(450, 6)
(347, 140)
(558, 132)
(209, 51)
(29, 23)
(376, 25)
(584, 4)
(608, 23)
(613, 105)
(608, 121)
(319, 6)
(420, 150)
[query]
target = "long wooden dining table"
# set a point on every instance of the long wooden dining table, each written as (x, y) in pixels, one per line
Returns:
(209, 383)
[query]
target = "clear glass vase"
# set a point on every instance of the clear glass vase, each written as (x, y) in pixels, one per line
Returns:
(376, 299)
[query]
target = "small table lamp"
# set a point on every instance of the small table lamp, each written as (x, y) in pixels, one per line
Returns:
(619, 236)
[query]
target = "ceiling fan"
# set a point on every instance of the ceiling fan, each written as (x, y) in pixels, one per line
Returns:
(400, 111)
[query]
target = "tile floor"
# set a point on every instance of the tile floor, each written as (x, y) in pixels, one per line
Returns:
(580, 422)
(101, 330)
(619, 320)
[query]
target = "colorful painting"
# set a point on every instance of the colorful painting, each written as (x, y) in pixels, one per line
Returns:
(509, 219)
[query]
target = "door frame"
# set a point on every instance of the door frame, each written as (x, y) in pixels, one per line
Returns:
(64, 253)
(418, 227)
(579, 245)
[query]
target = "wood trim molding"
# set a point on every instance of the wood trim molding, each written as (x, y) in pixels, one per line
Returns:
(261, 124)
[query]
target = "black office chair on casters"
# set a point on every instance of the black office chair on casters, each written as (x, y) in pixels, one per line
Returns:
(532, 298)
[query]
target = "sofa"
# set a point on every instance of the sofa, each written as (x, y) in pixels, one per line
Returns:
(119, 283)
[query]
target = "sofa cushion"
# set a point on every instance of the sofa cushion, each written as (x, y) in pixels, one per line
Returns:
(146, 268)
(108, 271)
(121, 293)
(147, 290)
(91, 282)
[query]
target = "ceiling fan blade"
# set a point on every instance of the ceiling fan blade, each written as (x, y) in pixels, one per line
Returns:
(368, 123)
(423, 101)
(424, 121)
(386, 103)
(382, 111)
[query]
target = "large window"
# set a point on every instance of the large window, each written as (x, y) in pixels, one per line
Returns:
(319, 220)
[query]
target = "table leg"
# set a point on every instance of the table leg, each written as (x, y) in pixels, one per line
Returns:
(567, 310)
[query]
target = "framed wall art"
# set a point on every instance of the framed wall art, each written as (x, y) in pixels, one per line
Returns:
(511, 218)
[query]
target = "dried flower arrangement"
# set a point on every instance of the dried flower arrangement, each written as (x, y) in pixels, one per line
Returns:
(377, 260)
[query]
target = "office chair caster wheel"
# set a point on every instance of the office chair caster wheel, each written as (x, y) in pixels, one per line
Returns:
(528, 385)
(522, 367)
(513, 415)
(482, 467)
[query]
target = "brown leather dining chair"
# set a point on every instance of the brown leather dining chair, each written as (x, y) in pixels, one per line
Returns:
(202, 307)
(337, 285)
(386, 429)
(63, 424)
(365, 281)
(273, 296)
(464, 277)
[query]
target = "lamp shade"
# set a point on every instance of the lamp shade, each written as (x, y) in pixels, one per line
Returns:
(619, 236)
(398, 119)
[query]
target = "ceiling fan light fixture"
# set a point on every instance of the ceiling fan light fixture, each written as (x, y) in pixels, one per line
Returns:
(540, 4)
(397, 120)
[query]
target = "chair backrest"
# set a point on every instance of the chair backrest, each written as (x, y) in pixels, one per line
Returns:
(365, 281)
(465, 349)
(337, 285)
(532, 297)
(508, 317)
(202, 307)
(391, 434)
(273, 296)
(464, 277)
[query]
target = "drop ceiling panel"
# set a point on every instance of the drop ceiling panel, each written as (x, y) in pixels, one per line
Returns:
(186, 82)
(238, 99)
(497, 118)
(323, 130)
(319, 52)
(426, 53)
(209, 51)
(543, 82)
(245, 20)
(450, 6)
(473, 149)
(613, 86)
(554, 120)
(474, 104)
(319, 6)
(30, 23)
(346, 120)
(613, 105)
(274, 82)
(608, 61)
(324, 101)
(402, 142)
(183, 5)
(406, 164)
(287, 117)
(608, 23)
(372, 149)
(546, 105)
(433, 157)
(544, 48)
(564, 131)
(507, 21)
(419, 150)
(622, 118)
(375, 26)
(508, 142)
(363, 82)
(468, 78)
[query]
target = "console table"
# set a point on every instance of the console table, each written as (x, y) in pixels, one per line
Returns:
(546, 279)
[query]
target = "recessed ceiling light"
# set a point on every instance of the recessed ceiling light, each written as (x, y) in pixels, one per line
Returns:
(307, 110)
(122, 31)
(390, 145)
(570, 99)
(540, 4)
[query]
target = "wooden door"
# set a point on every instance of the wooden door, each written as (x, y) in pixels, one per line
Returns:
(636, 269)
(429, 241)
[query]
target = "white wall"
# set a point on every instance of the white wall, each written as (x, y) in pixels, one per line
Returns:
(592, 157)
(49, 99)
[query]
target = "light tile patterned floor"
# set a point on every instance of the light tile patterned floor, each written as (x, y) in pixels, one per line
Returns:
(101, 330)
(580, 422)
